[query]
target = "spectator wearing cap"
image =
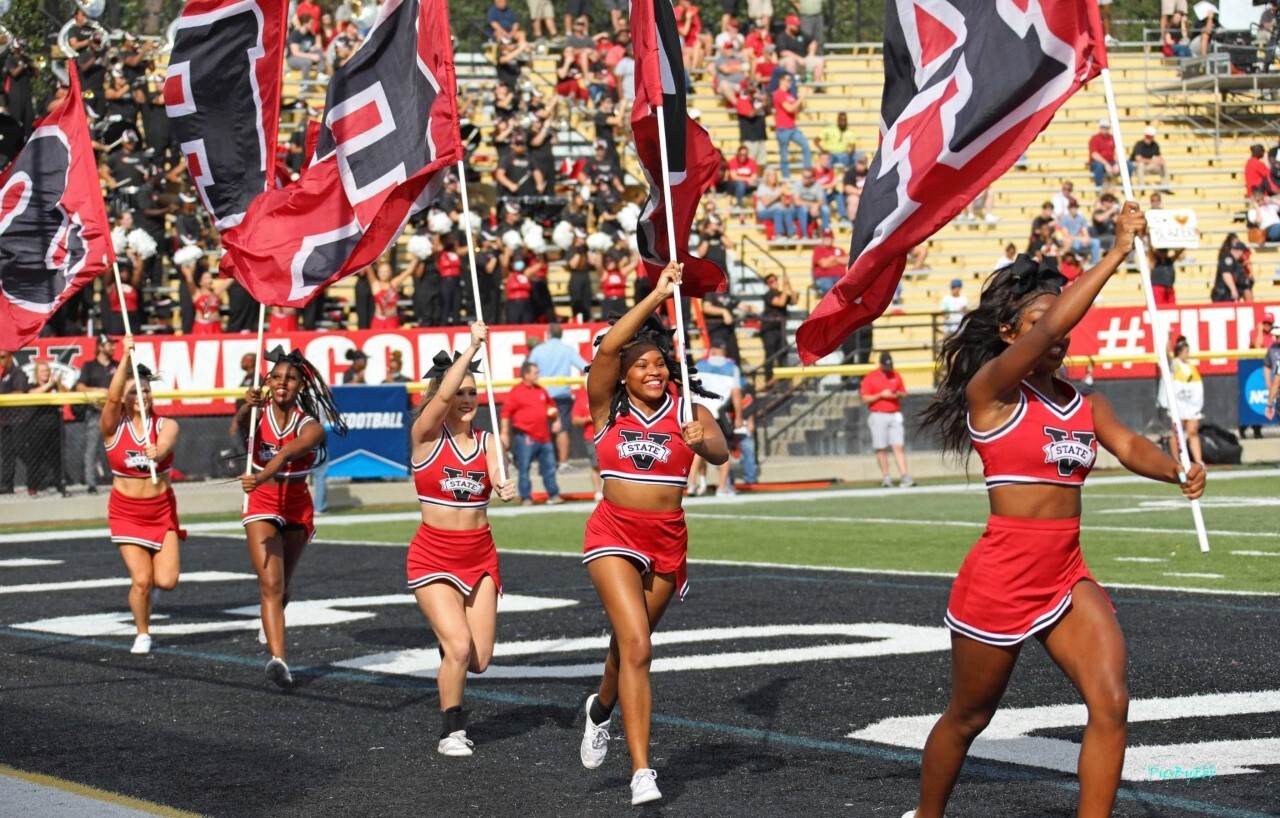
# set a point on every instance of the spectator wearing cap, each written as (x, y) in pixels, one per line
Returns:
(19, 69)
(1257, 173)
(812, 197)
(751, 105)
(1232, 281)
(1102, 154)
(190, 224)
(839, 141)
(95, 377)
(729, 31)
(744, 174)
(601, 167)
(828, 264)
(577, 28)
(355, 373)
(730, 71)
(577, 262)
(122, 98)
(1145, 158)
(797, 48)
(757, 38)
(512, 55)
(882, 392)
(786, 107)
(503, 24)
(710, 241)
(516, 175)
(126, 166)
(954, 305)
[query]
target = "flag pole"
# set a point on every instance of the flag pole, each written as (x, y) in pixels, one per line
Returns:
(253, 411)
(133, 359)
(475, 297)
(1144, 269)
(686, 405)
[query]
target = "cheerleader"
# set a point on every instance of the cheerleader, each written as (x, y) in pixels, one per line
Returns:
(636, 541)
(1038, 439)
(1188, 393)
(142, 516)
(288, 443)
(206, 300)
(281, 320)
(386, 295)
(613, 287)
(452, 564)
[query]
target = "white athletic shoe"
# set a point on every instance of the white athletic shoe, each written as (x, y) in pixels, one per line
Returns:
(887, 482)
(278, 672)
(909, 814)
(455, 744)
(141, 643)
(595, 740)
(644, 787)
(907, 482)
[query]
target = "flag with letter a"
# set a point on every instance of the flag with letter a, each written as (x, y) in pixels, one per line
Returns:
(969, 84)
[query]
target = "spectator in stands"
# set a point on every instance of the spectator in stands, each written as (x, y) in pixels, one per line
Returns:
(356, 373)
(305, 54)
(1075, 228)
(773, 323)
(618, 10)
(1102, 155)
(613, 287)
(512, 55)
(1208, 23)
(625, 71)
(1176, 37)
(709, 242)
(526, 412)
(882, 391)
(542, 15)
(751, 105)
(839, 141)
(556, 359)
(796, 49)
(767, 70)
(1064, 197)
(1046, 217)
(1070, 267)
(744, 174)
(757, 38)
(1010, 256)
(810, 195)
(569, 77)
(982, 208)
(577, 260)
(127, 299)
(828, 264)
(1232, 281)
(519, 290)
(1163, 274)
(19, 69)
(544, 308)
(954, 305)
(729, 31)
(689, 25)
(516, 175)
(603, 169)
(1145, 158)
(761, 12)
(786, 107)
(718, 312)
(122, 97)
(1102, 224)
(1265, 40)
(1257, 173)
(577, 30)
(730, 71)
(811, 20)
(855, 179)
(1265, 216)
(206, 299)
(1169, 9)
(773, 202)
(503, 23)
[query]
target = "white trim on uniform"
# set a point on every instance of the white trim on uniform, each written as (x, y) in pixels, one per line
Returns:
(646, 564)
(1063, 412)
(1003, 429)
(632, 477)
(147, 544)
(1002, 639)
(441, 576)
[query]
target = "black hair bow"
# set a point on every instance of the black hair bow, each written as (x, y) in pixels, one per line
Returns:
(442, 363)
(1026, 274)
(292, 357)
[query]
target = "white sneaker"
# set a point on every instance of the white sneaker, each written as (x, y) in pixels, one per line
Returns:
(644, 787)
(992, 219)
(887, 482)
(595, 740)
(906, 482)
(455, 744)
(141, 643)
(1112, 40)
(278, 672)
(725, 491)
(909, 814)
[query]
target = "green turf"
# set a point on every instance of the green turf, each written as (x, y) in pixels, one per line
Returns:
(916, 531)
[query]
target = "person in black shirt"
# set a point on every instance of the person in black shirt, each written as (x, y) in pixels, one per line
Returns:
(128, 166)
(601, 168)
(1232, 281)
(580, 274)
(191, 224)
(517, 175)
(606, 202)
(121, 98)
(18, 71)
(427, 309)
(511, 59)
(303, 54)
(542, 139)
(575, 212)
(773, 323)
(718, 312)
(12, 420)
(607, 120)
(711, 245)
(95, 377)
(489, 269)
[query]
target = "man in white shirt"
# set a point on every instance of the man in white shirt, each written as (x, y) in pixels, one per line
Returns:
(954, 305)
(1266, 216)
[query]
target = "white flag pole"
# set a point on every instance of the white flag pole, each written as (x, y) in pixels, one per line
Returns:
(1144, 268)
(475, 297)
(133, 361)
(686, 405)
(253, 411)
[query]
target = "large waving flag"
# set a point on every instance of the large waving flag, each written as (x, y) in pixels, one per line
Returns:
(390, 131)
(692, 160)
(222, 95)
(969, 84)
(54, 233)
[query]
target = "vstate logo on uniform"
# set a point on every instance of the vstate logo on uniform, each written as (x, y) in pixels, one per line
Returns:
(465, 486)
(134, 459)
(643, 449)
(1070, 450)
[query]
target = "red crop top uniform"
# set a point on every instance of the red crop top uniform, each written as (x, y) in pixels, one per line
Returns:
(649, 449)
(208, 315)
(1017, 580)
(285, 500)
(137, 521)
(451, 479)
(386, 316)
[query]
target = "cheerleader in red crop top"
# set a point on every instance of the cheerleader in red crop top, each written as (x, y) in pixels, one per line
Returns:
(287, 442)
(142, 514)
(206, 299)
(1038, 438)
(452, 564)
(386, 294)
(636, 540)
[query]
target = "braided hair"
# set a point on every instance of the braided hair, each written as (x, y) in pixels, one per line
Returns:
(314, 398)
(651, 333)
(978, 339)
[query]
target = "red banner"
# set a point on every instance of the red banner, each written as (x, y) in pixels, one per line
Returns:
(202, 362)
(1107, 331)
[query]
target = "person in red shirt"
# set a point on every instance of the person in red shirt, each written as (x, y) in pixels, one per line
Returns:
(1257, 174)
(757, 40)
(519, 293)
(1102, 155)
(883, 391)
(308, 9)
(529, 419)
(786, 106)
(744, 174)
(829, 263)
(613, 287)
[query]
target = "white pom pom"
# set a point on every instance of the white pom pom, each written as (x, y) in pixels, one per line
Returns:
(119, 240)
(476, 221)
(562, 236)
(536, 243)
(631, 242)
(512, 240)
(529, 228)
(420, 246)
(599, 242)
(142, 244)
(439, 222)
(188, 255)
(629, 217)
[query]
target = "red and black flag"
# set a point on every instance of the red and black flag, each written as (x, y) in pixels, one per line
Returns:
(222, 95)
(969, 84)
(54, 233)
(692, 161)
(389, 134)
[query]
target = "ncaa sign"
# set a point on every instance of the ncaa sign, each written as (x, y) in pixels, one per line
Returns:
(376, 443)
(1251, 377)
